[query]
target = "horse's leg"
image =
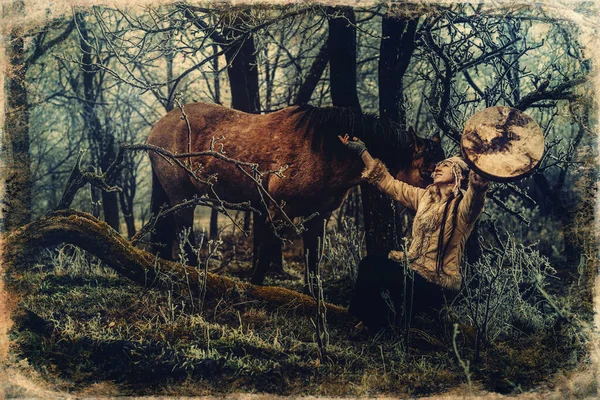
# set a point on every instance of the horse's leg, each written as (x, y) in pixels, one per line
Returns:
(257, 238)
(184, 220)
(163, 233)
(314, 230)
(272, 253)
(259, 268)
(267, 250)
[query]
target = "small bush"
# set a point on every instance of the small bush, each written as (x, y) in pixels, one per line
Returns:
(344, 249)
(503, 292)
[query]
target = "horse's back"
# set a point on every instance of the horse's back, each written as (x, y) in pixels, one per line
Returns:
(269, 140)
(171, 131)
(213, 121)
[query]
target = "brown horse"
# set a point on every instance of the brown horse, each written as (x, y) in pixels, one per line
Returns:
(320, 169)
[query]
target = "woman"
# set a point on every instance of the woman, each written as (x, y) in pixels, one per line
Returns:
(445, 217)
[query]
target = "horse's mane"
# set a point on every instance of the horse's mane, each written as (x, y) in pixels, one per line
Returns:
(384, 139)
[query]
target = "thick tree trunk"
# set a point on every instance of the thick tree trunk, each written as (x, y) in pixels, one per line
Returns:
(382, 225)
(396, 49)
(378, 213)
(243, 73)
(16, 163)
(341, 45)
(99, 239)
(342, 70)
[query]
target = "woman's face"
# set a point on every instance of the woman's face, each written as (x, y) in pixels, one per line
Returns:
(443, 173)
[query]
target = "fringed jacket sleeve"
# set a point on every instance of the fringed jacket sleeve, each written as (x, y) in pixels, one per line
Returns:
(472, 205)
(378, 175)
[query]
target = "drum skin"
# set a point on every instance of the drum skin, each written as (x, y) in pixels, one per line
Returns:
(502, 143)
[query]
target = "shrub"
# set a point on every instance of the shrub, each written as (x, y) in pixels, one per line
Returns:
(503, 293)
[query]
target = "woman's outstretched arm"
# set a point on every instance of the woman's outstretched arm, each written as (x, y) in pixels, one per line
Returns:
(376, 173)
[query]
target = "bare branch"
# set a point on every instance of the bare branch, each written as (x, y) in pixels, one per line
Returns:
(563, 91)
(43, 48)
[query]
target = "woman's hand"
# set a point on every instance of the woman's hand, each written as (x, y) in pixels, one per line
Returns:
(477, 179)
(357, 146)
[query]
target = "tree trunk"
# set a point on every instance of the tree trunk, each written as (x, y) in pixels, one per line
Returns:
(341, 45)
(247, 220)
(380, 221)
(314, 75)
(95, 196)
(16, 209)
(243, 73)
(126, 201)
(214, 224)
(99, 239)
(130, 224)
(101, 142)
(15, 160)
(342, 64)
(110, 200)
(382, 224)
(396, 49)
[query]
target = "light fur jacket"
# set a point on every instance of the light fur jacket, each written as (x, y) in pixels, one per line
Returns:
(423, 250)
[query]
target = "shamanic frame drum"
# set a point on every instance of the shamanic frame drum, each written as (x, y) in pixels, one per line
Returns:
(502, 143)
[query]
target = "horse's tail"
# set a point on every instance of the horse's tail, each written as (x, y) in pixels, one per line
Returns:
(163, 234)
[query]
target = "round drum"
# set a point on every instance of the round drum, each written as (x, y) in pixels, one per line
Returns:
(502, 143)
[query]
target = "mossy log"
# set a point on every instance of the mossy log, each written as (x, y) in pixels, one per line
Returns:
(96, 237)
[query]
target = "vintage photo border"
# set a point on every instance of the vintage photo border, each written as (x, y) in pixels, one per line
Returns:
(37, 13)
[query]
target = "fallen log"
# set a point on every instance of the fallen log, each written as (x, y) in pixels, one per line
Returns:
(96, 237)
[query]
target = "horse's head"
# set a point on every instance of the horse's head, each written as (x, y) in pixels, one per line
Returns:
(426, 154)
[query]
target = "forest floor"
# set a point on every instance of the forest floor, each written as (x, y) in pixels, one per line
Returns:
(87, 331)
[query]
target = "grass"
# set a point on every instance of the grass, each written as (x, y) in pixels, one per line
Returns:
(88, 330)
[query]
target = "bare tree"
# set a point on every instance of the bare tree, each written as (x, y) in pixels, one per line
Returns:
(17, 201)
(102, 141)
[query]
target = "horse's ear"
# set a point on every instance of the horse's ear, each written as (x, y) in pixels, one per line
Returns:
(436, 138)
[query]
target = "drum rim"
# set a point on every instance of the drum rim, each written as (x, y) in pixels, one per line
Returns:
(496, 178)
